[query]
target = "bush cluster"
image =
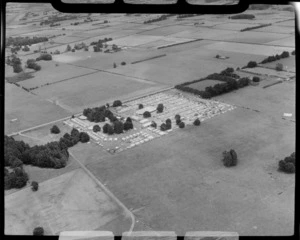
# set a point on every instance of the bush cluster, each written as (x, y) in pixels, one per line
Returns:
(288, 164)
(98, 114)
(55, 129)
(117, 103)
(273, 58)
(31, 63)
(255, 27)
(15, 62)
(229, 158)
(256, 79)
(242, 16)
(146, 114)
(45, 57)
(24, 41)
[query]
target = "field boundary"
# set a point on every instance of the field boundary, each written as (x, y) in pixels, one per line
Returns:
(271, 84)
(146, 59)
(175, 44)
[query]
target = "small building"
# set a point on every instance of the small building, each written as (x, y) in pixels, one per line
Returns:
(147, 124)
(82, 117)
(13, 120)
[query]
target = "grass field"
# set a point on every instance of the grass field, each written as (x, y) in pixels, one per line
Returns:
(92, 90)
(30, 110)
(71, 201)
(288, 63)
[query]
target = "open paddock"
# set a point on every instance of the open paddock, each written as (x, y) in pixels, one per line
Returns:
(246, 195)
(174, 70)
(69, 202)
(247, 48)
(67, 39)
(93, 89)
(134, 40)
(50, 73)
(30, 110)
(289, 64)
(286, 42)
(252, 37)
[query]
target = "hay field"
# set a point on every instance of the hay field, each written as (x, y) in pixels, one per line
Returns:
(92, 90)
(30, 110)
(174, 69)
(68, 202)
(288, 42)
(180, 183)
(248, 48)
(51, 73)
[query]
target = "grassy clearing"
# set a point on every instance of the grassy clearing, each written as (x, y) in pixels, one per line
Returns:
(19, 77)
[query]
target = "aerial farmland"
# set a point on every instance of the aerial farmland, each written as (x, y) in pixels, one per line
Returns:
(149, 122)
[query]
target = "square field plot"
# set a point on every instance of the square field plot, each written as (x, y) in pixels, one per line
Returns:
(72, 201)
(28, 109)
(91, 90)
(51, 73)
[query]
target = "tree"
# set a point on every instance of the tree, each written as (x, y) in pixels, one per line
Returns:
(160, 108)
(141, 106)
(128, 119)
(178, 121)
(229, 158)
(55, 129)
(279, 67)
(163, 127)
(118, 127)
(115, 65)
(105, 128)
(252, 64)
(168, 121)
(288, 164)
(34, 186)
(84, 137)
(255, 79)
(217, 56)
(96, 128)
(181, 125)
(38, 231)
(177, 116)
(153, 124)
(16, 163)
(123, 63)
(128, 125)
(17, 68)
(146, 114)
(293, 52)
(117, 103)
(197, 122)
(110, 130)
(285, 54)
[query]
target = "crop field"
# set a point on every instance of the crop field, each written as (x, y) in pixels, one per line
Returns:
(173, 70)
(51, 73)
(203, 84)
(92, 90)
(135, 40)
(71, 201)
(253, 37)
(288, 42)
(169, 189)
(33, 111)
(277, 29)
(248, 48)
(288, 63)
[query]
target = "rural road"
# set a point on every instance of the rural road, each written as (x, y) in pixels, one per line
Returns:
(108, 192)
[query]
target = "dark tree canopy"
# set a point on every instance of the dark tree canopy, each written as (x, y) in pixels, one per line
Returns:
(153, 124)
(255, 79)
(177, 116)
(160, 108)
(146, 114)
(34, 186)
(141, 106)
(55, 129)
(229, 158)
(118, 127)
(181, 125)
(84, 137)
(96, 128)
(38, 231)
(197, 122)
(117, 103)
(252, 64)
(128, 125)
(288, 165)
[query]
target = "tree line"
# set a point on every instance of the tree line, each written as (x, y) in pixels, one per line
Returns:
(273, 58)
(24, 41)
(231, 82)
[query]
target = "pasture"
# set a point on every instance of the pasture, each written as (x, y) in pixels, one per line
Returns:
(69, 202)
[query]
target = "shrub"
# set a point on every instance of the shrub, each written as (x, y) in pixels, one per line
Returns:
(178, 121)
(197, 122)
(141, 106)
(117, 103)
(279, 67)
(84, 137)
(181, 125)
(110, 130)
(38, 231)
(45, 57)
(34, 186)
(73, 50)
(123, 63)
(163, 127)
(285, 54)
(118, 127)
(252, 64)
(229, 158)
(105, 128)
(177, 116)
(168, 121)
(147, 114)
(256, 79)
(160, 108)
(55, 129)
(153, 124)
(17, 68)
(128, 125)
(96, 128)
(115, 65)
(217, 56)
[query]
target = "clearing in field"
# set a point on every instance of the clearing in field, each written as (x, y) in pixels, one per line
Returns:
(69, 202)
